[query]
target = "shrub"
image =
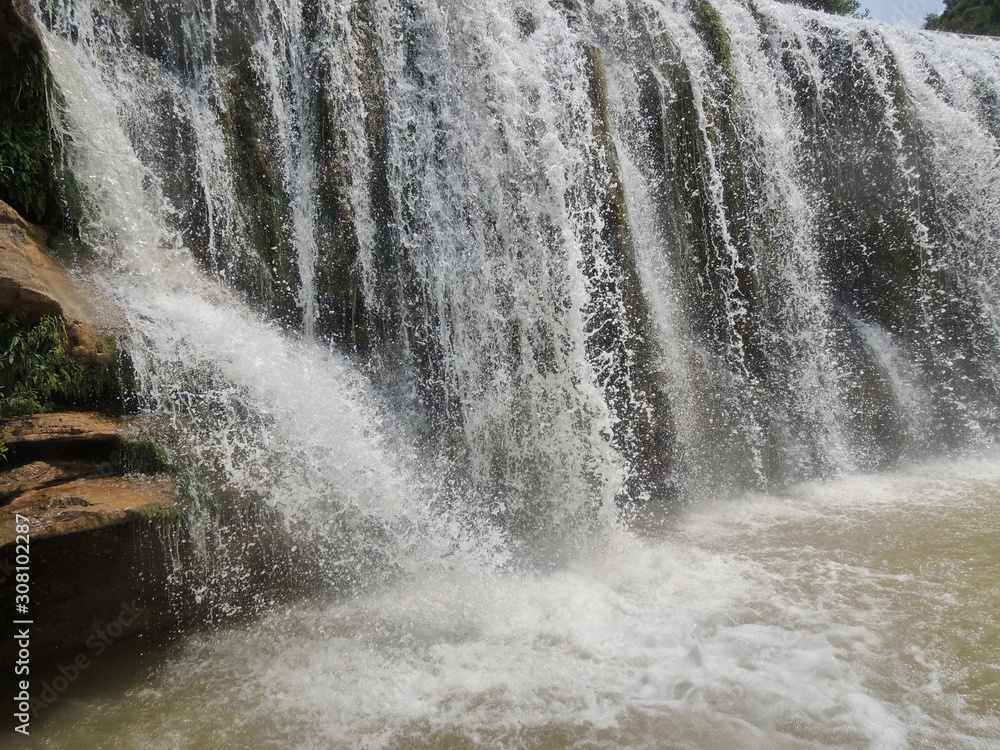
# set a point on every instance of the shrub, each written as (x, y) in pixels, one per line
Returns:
(27, 174)
(34, 367)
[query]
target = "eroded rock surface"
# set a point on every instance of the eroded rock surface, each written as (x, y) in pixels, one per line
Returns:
(68, 484)
(86, 505)
(33, 283)
(39, 474)
(61, 428)
(89, 545)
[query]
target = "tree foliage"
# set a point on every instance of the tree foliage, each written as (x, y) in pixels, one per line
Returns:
(840, 7)
(967, 17)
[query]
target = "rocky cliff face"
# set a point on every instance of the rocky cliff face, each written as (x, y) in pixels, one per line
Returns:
(94, 491)
(71, 478)
(27, 158)
(34, 284)
(585, 251)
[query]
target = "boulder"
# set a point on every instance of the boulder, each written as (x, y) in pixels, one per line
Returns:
(33, 283)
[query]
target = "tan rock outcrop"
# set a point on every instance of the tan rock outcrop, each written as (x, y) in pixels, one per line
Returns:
(33, 283)
(61, 428)
(39, 474)
(51, 491)
(90, 543)
(86, 505)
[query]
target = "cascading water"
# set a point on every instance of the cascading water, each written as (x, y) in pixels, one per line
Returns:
(593, 250)
(463, 290)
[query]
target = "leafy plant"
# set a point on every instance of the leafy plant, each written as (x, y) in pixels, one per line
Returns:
(34, 367)
(38, 375)
(27, 171)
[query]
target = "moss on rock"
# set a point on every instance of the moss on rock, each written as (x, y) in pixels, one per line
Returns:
(644, 431)
(709, 24)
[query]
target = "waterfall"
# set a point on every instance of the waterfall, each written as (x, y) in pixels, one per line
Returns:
(599, 373)
(511, 268)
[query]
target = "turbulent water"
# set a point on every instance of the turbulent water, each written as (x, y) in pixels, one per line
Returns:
(855, 614)
(474, 296)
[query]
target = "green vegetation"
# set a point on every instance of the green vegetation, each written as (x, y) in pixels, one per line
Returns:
(27, 176)
(34, 369)
(967, 17)
(143, 456)
(840, 7)
(37, 375)
(172, 517)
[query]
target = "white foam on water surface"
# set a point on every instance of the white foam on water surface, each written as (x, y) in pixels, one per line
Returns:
(833, 615)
